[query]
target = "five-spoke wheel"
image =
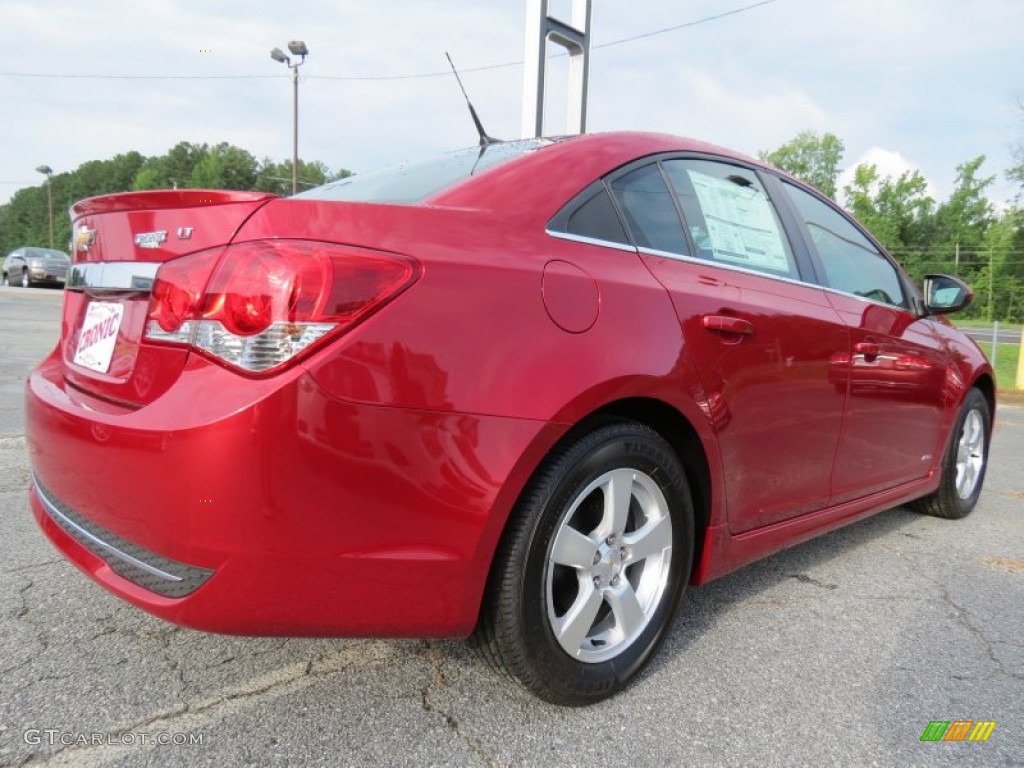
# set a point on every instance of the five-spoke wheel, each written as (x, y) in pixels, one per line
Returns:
(591, 567)
(963, 465)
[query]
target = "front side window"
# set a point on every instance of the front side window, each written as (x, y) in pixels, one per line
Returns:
(851, 262)
(730, 217)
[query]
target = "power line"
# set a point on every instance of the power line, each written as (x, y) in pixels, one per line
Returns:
(706, 19)
(139, 77)
(417, 76)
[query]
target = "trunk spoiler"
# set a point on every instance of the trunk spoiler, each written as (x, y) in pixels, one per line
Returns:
(163, 198)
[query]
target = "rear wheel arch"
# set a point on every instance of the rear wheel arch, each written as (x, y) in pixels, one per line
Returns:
(670, 424)
(680, 434)
(987, 387)
(542, 622)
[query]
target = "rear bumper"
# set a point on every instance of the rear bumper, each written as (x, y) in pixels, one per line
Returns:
(281, 510)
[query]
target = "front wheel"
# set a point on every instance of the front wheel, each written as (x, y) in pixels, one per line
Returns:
(4, 281)
(25, 282)
(591, 567)
(963, 466)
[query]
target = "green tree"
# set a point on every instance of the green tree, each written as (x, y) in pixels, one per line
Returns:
(173, 169)
(24, 219)
(811, 158)
(899, 213)
(966, 216)
(999, 277)
(277, 177)
(224, 167)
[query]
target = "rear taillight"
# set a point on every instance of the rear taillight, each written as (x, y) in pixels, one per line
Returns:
(256, 306)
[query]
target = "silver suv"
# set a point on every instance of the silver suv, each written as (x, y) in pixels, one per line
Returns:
(27, 266)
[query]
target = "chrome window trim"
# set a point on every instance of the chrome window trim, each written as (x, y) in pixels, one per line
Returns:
(592, 241)
(112, 276)
(730, 267)
(721, 265)
(867, 300)
(66, 523)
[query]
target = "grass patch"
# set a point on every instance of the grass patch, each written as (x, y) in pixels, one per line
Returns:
(1006, 363)
(975, 322)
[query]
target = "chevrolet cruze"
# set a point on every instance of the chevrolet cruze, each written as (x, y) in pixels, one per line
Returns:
(526, 393)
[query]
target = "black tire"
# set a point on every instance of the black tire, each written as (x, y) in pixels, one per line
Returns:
(527, 590)
(964, 463)
(3, 280)
(25, 280)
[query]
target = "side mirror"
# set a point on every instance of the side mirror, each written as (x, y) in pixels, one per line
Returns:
(944, 294)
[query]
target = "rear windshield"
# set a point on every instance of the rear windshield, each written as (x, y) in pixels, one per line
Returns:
(415, 182)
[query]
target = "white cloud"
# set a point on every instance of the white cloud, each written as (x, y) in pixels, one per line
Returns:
(925, 77)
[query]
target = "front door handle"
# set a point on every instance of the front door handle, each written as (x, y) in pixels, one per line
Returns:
(869, 349)
(727, 324)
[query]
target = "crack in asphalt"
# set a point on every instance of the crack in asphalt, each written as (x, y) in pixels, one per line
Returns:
(22, 611)
(968, 623)
(33, 566)
(192, 716)
(803, 578)
(436, 659)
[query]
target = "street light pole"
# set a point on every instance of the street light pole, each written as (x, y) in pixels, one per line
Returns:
(48, 172)
(296, 48)
(295, 129)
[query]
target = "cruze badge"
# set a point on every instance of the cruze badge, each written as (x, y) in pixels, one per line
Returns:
(84, 237)
(151, 239)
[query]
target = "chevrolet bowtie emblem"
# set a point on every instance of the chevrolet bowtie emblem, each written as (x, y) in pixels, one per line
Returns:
(84, 237)
(150, 239)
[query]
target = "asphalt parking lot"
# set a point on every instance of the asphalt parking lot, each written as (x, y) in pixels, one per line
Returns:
(837, 652)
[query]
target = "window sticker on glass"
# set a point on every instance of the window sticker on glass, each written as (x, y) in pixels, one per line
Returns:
(741, 226)
(98, 336)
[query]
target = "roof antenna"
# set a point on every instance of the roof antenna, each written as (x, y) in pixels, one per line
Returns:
(485, 140)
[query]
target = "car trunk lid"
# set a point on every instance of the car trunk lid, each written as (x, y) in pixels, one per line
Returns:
(119, 242)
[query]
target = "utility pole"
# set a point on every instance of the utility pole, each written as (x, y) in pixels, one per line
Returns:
(48, 172)
(991, 284)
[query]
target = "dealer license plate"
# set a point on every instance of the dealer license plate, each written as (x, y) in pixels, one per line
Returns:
(98, 336)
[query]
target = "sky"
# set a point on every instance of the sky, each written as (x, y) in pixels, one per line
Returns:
(908, 84)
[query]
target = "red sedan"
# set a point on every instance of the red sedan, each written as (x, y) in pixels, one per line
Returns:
(525, 392)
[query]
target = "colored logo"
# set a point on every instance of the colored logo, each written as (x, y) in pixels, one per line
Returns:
(958, 730)
(84, 238)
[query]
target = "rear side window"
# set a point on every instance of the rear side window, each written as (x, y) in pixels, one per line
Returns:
(650, 211)
(596, 218)
(730, 217)
(851, 262)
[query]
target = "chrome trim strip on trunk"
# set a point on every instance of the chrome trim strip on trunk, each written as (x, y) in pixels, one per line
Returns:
(158, 577)
(112, 276)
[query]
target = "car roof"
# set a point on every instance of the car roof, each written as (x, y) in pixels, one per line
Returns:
(566, 166)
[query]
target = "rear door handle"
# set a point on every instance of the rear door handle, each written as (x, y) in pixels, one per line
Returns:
(869, 349)
(727, 324)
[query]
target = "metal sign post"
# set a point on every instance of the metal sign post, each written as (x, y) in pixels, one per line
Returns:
(575, 38)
